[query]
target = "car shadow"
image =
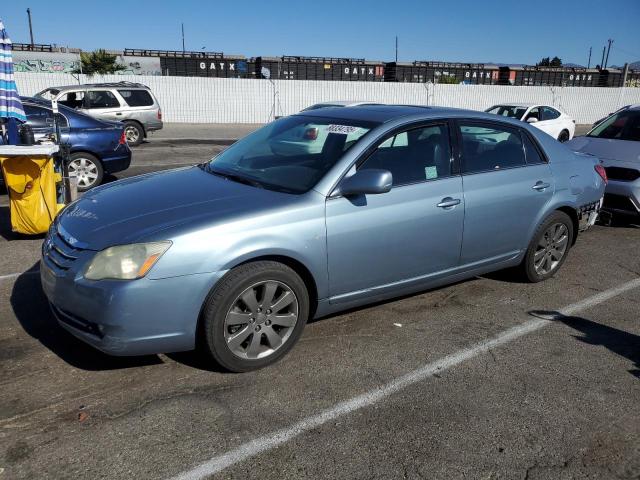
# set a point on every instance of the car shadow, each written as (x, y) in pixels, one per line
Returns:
(617, 341)
(32, 311)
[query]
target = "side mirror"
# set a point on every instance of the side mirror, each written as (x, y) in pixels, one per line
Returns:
(532, 120)
(371, 181)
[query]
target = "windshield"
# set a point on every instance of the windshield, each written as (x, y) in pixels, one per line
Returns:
(48, 94)
(624, 125)
(291, 154)
(508, 111)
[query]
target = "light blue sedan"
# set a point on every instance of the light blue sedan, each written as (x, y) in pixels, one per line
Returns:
(235, 255)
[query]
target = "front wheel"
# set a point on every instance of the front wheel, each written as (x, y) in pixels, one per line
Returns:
(87, 169)
(549, 248)
(255, 315)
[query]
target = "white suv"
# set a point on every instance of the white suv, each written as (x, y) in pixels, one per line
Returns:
(130, 103)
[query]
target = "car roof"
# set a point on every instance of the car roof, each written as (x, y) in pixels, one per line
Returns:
(346, 103)
(387, 113)
(100, 85)
(518, 104)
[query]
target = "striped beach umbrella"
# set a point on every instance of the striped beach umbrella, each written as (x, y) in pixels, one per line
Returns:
(10, 104)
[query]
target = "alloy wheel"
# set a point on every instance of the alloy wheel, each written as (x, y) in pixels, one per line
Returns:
(85, 170)
(551, 248)
(261, 320)
(131, 133)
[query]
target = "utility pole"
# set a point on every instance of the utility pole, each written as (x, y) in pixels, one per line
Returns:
(589, 62)
(182, 37)
(30, 26)
(606, 60)
(604, 49)
(396, 49)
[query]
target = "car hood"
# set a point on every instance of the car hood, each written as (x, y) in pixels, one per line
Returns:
(610, 151)
(159, 205)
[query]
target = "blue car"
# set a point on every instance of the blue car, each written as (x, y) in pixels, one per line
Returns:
(235, 255)
(97, 146)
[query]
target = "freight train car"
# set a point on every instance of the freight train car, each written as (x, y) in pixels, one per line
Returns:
(436, 72)
(319, 68)
(536, 76)
(197, 64)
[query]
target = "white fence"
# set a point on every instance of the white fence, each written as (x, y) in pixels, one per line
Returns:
(227, 100)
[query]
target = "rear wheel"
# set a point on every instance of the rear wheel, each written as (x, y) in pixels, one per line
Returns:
(134, 133)
(564, 136)
(87, 169)
(255, 315)
(549, 248)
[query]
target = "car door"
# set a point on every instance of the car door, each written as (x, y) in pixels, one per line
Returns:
(507, 182)
(414, 230)
(102, 104)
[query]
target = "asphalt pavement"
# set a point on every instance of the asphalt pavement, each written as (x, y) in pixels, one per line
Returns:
(485, 379)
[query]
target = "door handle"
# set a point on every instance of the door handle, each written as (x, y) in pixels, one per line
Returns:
(541, 185)
(118, 113)
(448, 202)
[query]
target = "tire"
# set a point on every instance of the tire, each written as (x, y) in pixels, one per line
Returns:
(564, 136)
(134, 133)
(544, 246)
(241, 336)
(88, 169)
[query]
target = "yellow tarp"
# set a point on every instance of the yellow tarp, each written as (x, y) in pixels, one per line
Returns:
(31, 183)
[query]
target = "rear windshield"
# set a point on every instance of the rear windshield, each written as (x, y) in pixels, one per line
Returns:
(624, 125)
(289, 155)
(508, 111)
(137, 98)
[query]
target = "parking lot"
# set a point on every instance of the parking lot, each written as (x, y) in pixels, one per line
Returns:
(474, 380)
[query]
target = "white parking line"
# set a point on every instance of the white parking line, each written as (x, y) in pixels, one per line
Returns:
(277, 438)
(16, 275)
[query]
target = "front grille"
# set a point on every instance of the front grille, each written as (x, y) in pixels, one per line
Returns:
(619, 202)
(622, 174)
(58, 253)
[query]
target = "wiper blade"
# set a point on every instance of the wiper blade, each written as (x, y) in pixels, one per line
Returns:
(236, 178)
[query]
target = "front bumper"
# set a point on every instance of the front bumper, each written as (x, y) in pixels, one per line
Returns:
(132, 317)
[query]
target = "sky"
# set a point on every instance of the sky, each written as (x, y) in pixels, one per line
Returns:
(502, 31)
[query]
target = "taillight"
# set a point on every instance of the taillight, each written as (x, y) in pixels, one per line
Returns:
(311, 133)
(159, 114)
(602, 172)
(123, 138)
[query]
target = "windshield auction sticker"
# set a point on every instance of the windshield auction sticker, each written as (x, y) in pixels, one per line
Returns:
(343, 129)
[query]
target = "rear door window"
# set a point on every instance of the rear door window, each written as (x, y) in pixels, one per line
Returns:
(549, 113)
(38, 117)
(137, 98)
(100, 99)
(489, 147)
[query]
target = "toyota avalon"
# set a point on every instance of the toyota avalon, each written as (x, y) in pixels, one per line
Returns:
(235, 255)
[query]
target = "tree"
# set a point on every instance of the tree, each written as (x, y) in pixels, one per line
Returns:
(98, 62)
(547, 62)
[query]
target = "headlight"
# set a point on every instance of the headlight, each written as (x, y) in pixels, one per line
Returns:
(125, 262)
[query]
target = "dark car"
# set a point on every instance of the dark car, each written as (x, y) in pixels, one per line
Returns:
(97, 146)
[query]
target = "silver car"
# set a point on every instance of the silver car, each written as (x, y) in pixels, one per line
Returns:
(236, 254)
(616, 141)
(131, 103)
